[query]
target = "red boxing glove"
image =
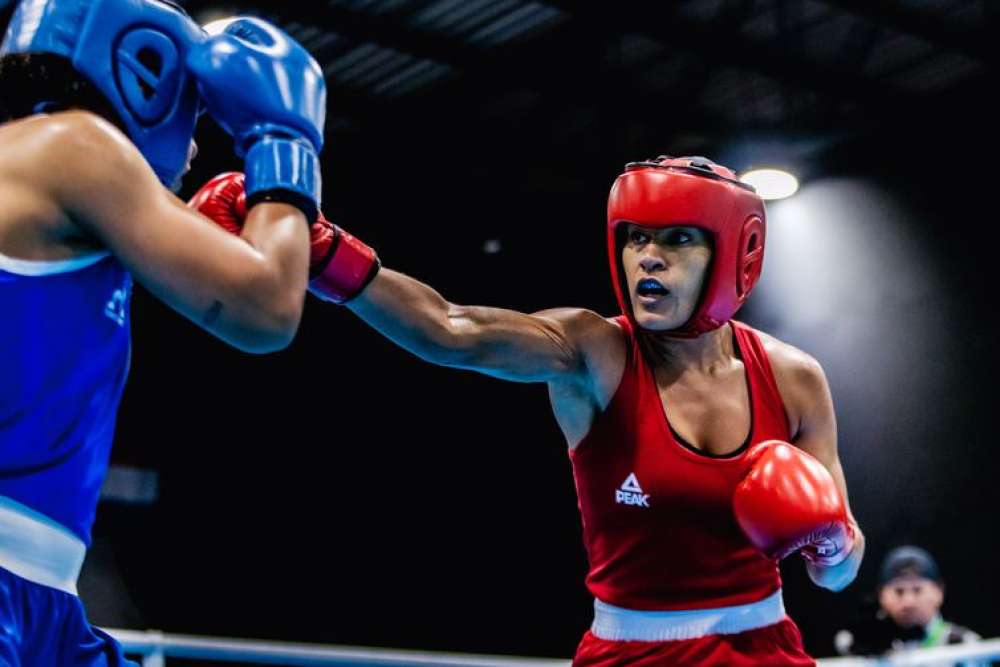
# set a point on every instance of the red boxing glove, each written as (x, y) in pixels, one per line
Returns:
(789, 502)
(224, 201)
(341, 266)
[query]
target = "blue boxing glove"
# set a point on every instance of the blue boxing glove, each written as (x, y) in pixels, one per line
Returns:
(266, 90)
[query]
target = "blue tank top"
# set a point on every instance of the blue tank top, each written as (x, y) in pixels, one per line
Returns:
(64, 356)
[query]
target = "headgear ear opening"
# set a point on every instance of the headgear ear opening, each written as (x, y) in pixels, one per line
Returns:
(147, 67)
(750, 257)
(134, 53)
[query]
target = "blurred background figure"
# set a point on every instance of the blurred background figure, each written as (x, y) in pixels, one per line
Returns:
(910, 594)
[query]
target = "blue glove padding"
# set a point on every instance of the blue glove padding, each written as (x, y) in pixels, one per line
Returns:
(266, 90)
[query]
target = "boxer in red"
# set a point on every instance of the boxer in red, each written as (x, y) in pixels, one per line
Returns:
(703, 451)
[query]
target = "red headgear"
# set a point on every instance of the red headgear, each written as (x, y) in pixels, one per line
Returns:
(696, 192)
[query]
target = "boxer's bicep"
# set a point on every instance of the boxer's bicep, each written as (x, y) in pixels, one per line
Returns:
(817, 433)
(806, 394)
(540, 347)
(812, 402)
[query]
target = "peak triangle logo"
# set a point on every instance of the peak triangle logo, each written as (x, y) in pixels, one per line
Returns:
(630, 493)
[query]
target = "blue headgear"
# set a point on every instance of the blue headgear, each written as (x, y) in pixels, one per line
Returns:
(134, 52)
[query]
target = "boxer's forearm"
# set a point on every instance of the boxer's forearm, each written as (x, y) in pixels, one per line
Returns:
(257, 292)
(248, 295)
(409, 313)
(502, 343)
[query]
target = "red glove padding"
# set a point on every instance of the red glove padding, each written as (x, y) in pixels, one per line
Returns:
(224, 201)
(789, 502)
(341, 266)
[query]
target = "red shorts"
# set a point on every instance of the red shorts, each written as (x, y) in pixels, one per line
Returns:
(778, 644)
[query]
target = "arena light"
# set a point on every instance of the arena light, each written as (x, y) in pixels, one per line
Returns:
(771, 183)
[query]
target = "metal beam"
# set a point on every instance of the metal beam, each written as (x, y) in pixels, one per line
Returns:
(926, 25)
(727, 46)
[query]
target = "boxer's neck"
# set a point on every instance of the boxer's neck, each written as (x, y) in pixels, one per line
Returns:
(707, 353)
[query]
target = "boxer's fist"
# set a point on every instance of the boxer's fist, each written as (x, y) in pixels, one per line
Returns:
(223, 200)
(268, 92)
(789, 502)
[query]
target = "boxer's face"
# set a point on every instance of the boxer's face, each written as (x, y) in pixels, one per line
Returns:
(911, 601)
(665, 269)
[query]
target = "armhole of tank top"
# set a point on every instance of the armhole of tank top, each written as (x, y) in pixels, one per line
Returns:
(763, 362)
(630, 354)
(631, 344)
(30, 268)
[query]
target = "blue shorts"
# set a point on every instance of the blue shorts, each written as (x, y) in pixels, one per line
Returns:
(46, 627)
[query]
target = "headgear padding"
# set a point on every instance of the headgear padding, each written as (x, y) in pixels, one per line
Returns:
(134, 52)
(693, 192)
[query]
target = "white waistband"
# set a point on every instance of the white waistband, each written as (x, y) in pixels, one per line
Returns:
(36, 548)
(617, 624)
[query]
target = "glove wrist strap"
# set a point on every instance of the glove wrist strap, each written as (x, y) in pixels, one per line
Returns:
(284, 170)
(352, 265)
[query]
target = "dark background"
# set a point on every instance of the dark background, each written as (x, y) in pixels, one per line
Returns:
(344, 492)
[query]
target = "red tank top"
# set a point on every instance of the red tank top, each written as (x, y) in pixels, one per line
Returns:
(658, 523)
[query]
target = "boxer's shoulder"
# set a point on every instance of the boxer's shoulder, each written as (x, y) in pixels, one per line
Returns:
(800, 379)
(68, 128)
(53, 147)
(794, 365)
(601, 345)
(45, 161)
(88, 143)
(593, 337)
(32, 225)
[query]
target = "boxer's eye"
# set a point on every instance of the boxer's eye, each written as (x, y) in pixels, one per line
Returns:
(680, 237)
(637, 237)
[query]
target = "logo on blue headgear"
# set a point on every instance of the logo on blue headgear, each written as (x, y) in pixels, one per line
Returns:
(134, 52)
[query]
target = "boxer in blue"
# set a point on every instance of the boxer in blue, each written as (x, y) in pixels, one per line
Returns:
(99, 102)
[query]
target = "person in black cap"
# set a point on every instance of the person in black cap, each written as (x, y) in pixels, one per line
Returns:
(910, 594)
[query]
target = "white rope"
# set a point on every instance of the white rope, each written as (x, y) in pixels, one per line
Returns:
(156, 646)
(986, 650)
(283, 653)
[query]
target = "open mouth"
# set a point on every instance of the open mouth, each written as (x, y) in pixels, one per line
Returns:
(651, 288)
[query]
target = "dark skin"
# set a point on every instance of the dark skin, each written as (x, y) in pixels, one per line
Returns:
(581, 357)
(73, 184)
